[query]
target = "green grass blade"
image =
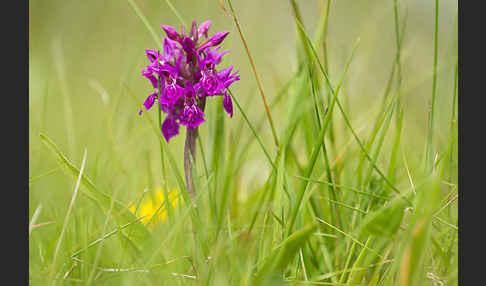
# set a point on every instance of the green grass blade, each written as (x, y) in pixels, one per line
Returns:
(429, 152)
(317, 146)
(355, 190)
(144, 20)
(68, 213)
(346, 120)
(120, 213)
(282, 255)
(253, 130)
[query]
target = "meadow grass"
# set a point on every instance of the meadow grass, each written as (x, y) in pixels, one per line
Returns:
(326, 178)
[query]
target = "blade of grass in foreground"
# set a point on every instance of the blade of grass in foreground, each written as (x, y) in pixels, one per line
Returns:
(399, 122)
(346, 120)
(270, 183)
(298, 17)
(68, 214)
(226, 191)
(33, 220)
(165, 185)
(381, 138)
(212, 202)
(281, 256)
(317, 146)
(429, 152)
(349, 236)
(217, 159)
(345, 188)
(120, 214)
(333, 210)
(453, 124)
(100, 246)
(107, 235)
(378, 123)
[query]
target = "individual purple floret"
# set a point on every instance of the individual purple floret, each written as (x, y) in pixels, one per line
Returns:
(186, 74)
(191, 115)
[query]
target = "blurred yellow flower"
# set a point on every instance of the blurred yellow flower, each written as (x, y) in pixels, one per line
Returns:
(151, 203)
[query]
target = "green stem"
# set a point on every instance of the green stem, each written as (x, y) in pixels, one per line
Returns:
(429, 152)
(164, 185)
(190, 154)
(190, 150)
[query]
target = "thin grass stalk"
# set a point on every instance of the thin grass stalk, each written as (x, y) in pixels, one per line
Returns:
(225, 192)
(348, 261)
(429, 152)
(297, 16)
(326, 67)
(324, 40)
(333, 210)
(280, 95)
(174, 10)
(317, 147)
(164, 185)
(393, 158)
(91, 276)
(382, 114)
(346, 120)
(453, 124)
(378, 123)
(212, 202)
(68, 214)
(381, 139)
(260, 86)
(145, 22)
(170, 157)
(252, 129)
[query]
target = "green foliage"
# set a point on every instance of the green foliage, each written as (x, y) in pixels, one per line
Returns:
(386, 220)
(377, 207)
(120, 213)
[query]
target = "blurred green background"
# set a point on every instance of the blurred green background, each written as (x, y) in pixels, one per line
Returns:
(78, 50)
(85, 57)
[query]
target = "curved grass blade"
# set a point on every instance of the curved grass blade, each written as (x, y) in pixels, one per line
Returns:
(345, 117)
(252, 130)
(349, 236)
(345, 188)
(145, 22)
(120, 212)
(68, 213)
(429, 152)
(260, 87)
(317, 146)
(282, 255)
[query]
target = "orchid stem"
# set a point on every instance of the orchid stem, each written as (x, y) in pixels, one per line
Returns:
(190, 151)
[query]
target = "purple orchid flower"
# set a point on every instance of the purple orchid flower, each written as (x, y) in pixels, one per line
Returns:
(203, 29)
(192, 115)
(187, 73)
(170, 127)
(171, 32)
(214, 41)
